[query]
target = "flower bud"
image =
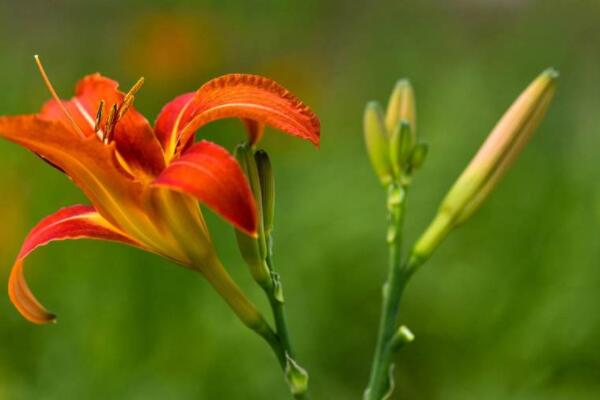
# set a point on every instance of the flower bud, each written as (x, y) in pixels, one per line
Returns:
(493, 159)
(377, 142)
(401, 106)
(267, 188)
(400, 146)
(417, 156)
(251, 248)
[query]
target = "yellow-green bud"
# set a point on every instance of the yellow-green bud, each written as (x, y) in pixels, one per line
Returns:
(401, 106)
(493, 159)
(267, 188)
(377, 142)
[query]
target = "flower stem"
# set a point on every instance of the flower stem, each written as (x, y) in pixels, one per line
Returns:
(380, 381)
(296, 376)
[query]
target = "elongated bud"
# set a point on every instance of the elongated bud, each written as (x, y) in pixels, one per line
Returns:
(491, 162)
(400, 146)
(377, 142)
(250, 248)
(267, 188)
(401, 106)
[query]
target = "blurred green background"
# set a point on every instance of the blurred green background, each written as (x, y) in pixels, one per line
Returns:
(506, 309)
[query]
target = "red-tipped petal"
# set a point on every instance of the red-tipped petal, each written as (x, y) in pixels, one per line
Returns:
(75, 222)
(250, 97)
(209, 173)
(133, 134)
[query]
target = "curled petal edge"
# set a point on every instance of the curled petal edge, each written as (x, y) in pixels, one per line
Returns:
(74, 222)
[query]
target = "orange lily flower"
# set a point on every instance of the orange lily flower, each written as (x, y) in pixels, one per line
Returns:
(145, 183)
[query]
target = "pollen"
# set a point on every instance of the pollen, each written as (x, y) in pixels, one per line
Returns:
(134, 89)
(116, 113)
(99, 114)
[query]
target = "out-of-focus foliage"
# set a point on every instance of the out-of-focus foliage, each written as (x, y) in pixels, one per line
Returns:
(508, 308)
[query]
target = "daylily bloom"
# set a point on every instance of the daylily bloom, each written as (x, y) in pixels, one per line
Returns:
(145, 183)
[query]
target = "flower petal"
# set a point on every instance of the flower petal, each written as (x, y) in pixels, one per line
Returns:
(133, 134)
(75, 222)
(250, 97)
(92, 165)
(209, 173)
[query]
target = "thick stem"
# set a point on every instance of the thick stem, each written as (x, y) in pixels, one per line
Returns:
(222, 282)
(380, 381)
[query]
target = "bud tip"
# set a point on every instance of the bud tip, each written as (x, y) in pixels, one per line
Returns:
(551, 73)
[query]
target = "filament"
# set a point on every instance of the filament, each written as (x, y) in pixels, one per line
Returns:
(55, 96)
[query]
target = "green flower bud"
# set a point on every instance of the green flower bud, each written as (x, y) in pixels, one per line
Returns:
(253, 250)
(267, 187)
(377, 142)
(401, 144)
(417, 156)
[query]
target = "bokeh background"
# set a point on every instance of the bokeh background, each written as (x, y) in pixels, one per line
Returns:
(506, 309)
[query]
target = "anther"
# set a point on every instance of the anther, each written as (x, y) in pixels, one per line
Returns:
(125, 106)
(110, 124)
(128, 98)
(134, 89)
(99, 114)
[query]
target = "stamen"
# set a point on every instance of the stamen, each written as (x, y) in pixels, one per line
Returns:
(128, 98)
(134, 89)
(125, 106)
(99, 116)
(110, 124)
(55, 96)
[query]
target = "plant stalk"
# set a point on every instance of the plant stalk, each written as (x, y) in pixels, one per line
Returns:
(285, 352)
(381, 381)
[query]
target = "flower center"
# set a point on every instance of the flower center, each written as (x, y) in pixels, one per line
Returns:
(116, 113)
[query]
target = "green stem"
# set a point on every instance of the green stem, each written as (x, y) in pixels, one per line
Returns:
(380, 383)
(286, 356)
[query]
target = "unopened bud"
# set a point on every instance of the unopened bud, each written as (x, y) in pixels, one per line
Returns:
(401, 144)
(493, 159)
(417, 156)
(251, 249)
(401, 106)
(245, 156)
(377, 142)
(267, 188)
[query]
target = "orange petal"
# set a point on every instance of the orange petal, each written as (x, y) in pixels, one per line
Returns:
(209, 173)
(75, 222)
(250, 97)
(91, 164)
(133, 134)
